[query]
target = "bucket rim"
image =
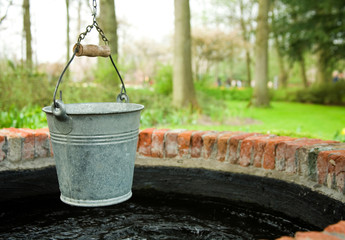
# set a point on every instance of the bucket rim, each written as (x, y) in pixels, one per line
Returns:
(98, 108)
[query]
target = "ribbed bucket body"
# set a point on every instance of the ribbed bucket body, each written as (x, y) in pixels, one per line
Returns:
(95, 151)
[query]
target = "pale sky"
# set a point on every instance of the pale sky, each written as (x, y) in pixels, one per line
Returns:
(152, 19)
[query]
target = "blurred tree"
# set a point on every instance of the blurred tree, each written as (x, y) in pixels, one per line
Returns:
(108, 23)
(4, 15)
(79, 16)
(260, 95)
(317, 27)
(27, 32)
(67, 36)
(279, 41)
(183, 86)
(245, 21)
(211, 47)
(246, 26)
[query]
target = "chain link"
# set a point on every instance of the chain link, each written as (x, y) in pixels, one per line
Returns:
(94, 24)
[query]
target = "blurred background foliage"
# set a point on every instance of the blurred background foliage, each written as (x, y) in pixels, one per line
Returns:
(223, 33)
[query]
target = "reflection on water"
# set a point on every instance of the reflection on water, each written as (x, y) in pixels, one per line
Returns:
(153, 216)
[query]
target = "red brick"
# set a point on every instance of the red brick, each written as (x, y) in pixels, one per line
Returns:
(184, 143)
(42, 143)
(171, 145)
(314, 236)
(322, 166)
(331, 169)
(157, 145)
(291, 149)
(336, 228)
(222, 145)
(280, 156)
(210, 141)
(145, 141)
(235, 145)
(270, 151)
(247, 150)
(259, 149)
(286, 153)
(197, 143)
(28, 149)
(336, 169)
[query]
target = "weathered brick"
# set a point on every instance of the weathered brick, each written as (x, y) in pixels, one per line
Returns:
(322, 166)
(280, 156)
(222, 145)
(28, 141)
(13, 146)
(184, 143)
(337, 228)
(145, 141)
(314, 236)
(336, 170)
(157, 145)
(307, 157)
(247, 150)
(171, 145)
(42, 143)
(292, 163)
(235, 146)
(332, 232)
(331, 169)
(210, 145)
(259, 149)
(197, 143)
(270, 151)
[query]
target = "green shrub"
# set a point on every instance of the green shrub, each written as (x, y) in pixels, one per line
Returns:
(21, 87)
(105, 73)
(238, 94)
(328, 93)
(29, 117)
(163, 80)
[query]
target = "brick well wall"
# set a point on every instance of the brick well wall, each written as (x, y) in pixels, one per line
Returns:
(310, 162)
(313, 160)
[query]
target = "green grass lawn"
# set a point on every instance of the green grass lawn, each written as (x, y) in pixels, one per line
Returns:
(283, 118)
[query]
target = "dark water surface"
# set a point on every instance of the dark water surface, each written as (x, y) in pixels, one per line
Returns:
(145, 216)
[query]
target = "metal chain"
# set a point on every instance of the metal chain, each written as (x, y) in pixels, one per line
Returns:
(94, 24)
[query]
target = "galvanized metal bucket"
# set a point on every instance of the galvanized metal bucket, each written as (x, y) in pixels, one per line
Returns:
(94, 146)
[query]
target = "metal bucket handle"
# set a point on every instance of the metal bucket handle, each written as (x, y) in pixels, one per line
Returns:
(58, 107)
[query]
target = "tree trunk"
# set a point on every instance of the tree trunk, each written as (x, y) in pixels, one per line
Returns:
(248, 61)
(108, 23)
(246, 39)
(303, 72)
(321, 66)
(260, 96)
(283, 75)
(183, 87)
(27, 32)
